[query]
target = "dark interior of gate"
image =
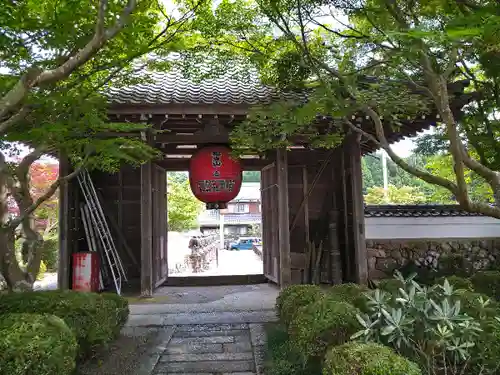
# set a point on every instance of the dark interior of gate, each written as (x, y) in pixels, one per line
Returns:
(312, 202)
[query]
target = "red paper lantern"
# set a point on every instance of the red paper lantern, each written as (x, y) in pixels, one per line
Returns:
(215, 176)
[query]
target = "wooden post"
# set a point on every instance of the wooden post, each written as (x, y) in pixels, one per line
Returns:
(147, 229)
(283, 218)
(353, 150)
(305, 192)
(63, 274)
(120, 213)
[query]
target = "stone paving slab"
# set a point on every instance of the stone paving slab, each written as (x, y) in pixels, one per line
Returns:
(210, 327)
(222, 343)
(193, 357)
(202, 340)
(233, 333)
(195, 348)
(209, 349)
(220, 317)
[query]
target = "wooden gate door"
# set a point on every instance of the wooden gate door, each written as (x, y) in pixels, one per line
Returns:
(160, 264)
(270, 234)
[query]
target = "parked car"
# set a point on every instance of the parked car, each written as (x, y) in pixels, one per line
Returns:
(245, 243)
(229, 240)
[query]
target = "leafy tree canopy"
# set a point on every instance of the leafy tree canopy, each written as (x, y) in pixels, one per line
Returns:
(57, 60)
(401, 195)
(183, 207)
(386, 61)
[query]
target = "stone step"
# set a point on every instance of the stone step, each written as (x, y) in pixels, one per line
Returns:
(205, 367)
(203, 333)
(210, 327)
(197, 347)
(221, 349)
(192, 357)
(202, 340)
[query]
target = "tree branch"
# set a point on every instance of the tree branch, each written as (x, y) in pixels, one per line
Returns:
(452, 64)
(381, 141)
(100, 37)
(36, 77)
(50, 191)
(12, 120)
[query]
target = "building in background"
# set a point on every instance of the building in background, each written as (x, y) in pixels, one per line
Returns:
(242, 216)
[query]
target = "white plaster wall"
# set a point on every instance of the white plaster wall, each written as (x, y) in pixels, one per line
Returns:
(391, 228)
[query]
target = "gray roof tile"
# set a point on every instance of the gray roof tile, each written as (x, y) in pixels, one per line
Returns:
(242, 218)
(416, 211)
(174, 88)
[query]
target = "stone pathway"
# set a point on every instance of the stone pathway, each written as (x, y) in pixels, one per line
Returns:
(225, 336)
(212, 349)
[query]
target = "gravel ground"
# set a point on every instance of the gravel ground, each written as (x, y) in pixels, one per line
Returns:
(123, 356)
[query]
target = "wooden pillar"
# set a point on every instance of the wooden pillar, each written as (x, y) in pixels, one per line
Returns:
(147, 229)
(283, 218)
(353, 159)
(63, 274)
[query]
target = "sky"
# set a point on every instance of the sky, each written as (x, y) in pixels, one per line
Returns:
(403, 148)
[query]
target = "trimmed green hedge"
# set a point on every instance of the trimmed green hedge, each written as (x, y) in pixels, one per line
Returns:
(367, 359)
(282, 358)
(348, 292)
(487, 282)
(321, 324)
(33, 344)
(94, 319)
(294, 297)
(123, 309)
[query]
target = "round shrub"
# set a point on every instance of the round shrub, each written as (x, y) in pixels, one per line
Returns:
(348, 292)
(50, 252)
(123, 309)
(293, 297)
(36, 344)
(281, 357)
(321, 324)
(92, 318)
(487, 282)
(367, 359)
(456, 282)
(484, 355)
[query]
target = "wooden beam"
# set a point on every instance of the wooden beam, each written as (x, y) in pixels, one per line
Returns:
(189, 139)
(146, 229)
(63, 274)
(352, 148)
(175, 165)
(180, 109)
(283, 218)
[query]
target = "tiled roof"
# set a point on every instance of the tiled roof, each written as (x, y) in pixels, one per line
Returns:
(416, 211)
(242, 218)
(173, 87)
(232, 219)
(250, 191)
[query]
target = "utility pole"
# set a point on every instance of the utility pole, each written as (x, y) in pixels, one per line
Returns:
(221, 234)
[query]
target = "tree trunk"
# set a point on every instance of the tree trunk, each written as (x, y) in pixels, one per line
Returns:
(15, 277)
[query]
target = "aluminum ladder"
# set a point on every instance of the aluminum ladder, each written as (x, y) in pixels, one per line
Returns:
(102, 231)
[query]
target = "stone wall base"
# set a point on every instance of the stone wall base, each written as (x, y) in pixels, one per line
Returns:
(385, 256)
